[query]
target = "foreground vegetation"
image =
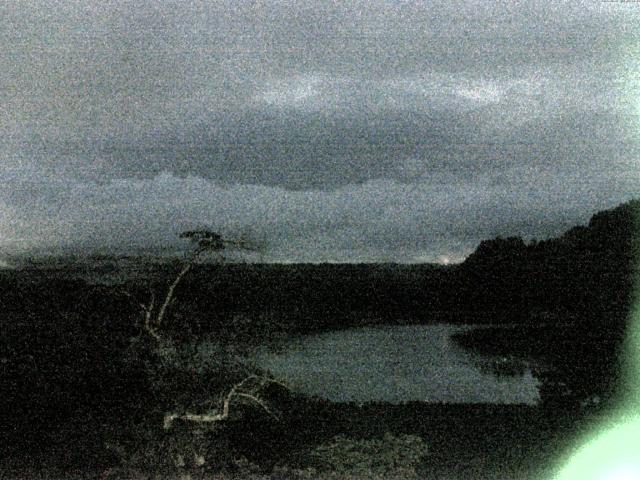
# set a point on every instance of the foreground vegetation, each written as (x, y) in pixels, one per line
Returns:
(84, 393)
(89, 389)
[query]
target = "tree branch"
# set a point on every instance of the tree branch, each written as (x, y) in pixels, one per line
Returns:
(259, 402)
(169, 418)
(170, 292)
(148, 311)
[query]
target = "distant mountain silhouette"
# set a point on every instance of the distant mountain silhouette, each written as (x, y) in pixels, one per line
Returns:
(587, 272)
(572, 297)
(497, 250)
(611, 235)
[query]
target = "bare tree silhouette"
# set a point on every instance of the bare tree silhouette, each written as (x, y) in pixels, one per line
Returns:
(205, 242)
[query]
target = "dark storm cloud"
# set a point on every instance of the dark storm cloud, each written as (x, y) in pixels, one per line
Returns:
(468, 118)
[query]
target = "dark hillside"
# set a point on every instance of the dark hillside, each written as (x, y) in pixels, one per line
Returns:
(574, 293)
(586, 274)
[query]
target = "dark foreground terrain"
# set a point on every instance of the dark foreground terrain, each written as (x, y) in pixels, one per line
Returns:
(462, 441)
(84, 390)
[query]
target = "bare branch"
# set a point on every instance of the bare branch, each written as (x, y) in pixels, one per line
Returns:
(147, 318)
(170, 292)
(269, 381)
(191, 417)
(232, 392)
(226, 406)
(259, 402)
(146, 309)
(142, 306)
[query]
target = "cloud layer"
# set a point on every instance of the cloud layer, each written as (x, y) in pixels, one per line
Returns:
(358, 130)
(379, 220)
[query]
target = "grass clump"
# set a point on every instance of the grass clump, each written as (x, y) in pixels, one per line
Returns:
(389, 457)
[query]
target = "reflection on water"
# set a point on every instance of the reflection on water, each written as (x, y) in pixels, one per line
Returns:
(395, 364)
(502, 366)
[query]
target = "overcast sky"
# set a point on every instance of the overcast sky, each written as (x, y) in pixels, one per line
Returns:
(336, 131)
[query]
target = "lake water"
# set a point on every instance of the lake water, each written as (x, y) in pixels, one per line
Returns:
(393, 364)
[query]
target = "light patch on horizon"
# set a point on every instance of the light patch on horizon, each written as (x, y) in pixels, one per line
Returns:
(444, 260)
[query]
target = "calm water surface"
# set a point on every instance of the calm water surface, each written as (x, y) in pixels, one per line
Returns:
(393, 364)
